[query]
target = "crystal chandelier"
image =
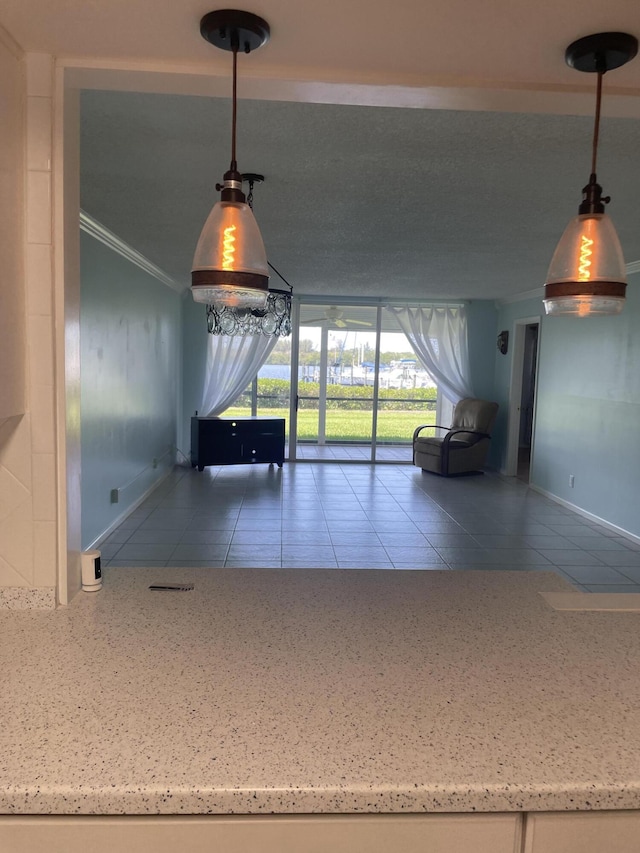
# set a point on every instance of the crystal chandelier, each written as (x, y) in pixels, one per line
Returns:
(273, 320)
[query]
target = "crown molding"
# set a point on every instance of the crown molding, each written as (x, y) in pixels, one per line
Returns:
(632, 268)
(99, 232)
(538, 293)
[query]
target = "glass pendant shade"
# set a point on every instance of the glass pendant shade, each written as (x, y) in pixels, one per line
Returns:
(587, 273)
(230, 263)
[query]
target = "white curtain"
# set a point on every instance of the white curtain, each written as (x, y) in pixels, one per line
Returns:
(438, 335)
(233, 361)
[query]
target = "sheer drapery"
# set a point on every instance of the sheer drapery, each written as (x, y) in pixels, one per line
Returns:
(233, 361)
(438, 335)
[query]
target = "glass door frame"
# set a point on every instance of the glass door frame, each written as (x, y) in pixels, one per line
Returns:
(292, 441)
(379, 305)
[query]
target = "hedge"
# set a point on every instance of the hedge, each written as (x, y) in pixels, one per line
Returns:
(275, 393)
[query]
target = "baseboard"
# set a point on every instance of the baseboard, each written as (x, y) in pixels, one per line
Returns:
(123, 515)
(583, 512)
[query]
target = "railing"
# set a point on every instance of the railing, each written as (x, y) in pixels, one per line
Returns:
(343, 418)
(362, 403)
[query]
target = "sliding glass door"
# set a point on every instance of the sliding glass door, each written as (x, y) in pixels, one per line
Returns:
(348, 385)
(336, 369)
(407, 394)
(360, 391)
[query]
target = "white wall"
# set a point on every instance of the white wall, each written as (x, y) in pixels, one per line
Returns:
(37, 558)
(27, 443)
(12, 144)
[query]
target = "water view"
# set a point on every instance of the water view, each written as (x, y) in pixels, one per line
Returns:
(399, 374)
(335, 402)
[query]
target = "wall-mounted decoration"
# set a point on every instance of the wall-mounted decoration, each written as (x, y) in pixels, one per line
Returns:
(503, 342)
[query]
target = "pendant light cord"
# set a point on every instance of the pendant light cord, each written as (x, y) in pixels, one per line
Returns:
(596, 126)
(593, 201)
(235, 45)
(277, 272)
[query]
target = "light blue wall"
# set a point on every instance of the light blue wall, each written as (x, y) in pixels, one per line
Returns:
(481, 326)
(130, 357)
(587, 408)
(194, 361)
(588, 413)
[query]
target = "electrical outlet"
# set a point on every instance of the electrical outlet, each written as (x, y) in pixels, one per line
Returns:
(572, 480)
(154, 462)
(115, 496)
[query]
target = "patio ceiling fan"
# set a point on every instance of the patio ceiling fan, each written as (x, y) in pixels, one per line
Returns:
(335, 316)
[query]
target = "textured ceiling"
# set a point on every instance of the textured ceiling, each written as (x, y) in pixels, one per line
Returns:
(462, 197)
(358, 201)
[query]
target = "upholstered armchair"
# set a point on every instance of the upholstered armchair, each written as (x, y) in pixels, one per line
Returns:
(464, 447)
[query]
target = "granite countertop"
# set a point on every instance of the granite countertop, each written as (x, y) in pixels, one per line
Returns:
(298, 691)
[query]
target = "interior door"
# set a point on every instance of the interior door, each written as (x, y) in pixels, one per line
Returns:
(526, 347)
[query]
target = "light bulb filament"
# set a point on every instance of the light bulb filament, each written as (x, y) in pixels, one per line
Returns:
(584, 273)
(228, 248)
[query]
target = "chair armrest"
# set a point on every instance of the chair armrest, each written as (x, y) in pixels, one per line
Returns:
(453, 432)
(446, 449)
(424, 426)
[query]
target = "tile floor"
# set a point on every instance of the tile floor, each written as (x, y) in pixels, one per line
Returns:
(365, 516)
(354, 452)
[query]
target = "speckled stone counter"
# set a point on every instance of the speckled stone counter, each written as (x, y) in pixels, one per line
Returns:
(280, 690)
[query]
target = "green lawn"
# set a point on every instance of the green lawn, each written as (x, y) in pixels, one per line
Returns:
(394, 427)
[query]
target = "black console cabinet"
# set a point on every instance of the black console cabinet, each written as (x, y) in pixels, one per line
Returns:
(236, 441)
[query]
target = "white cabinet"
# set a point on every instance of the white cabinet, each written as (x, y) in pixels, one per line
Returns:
(543, 832)
(465, 833)
(583, 832)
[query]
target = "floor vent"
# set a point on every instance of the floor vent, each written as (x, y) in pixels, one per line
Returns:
(171, 587)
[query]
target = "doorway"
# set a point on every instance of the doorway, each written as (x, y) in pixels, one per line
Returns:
(347, 384)
(358, 391)
(522, 396)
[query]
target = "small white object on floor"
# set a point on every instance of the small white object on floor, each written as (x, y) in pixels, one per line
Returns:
(91, 571)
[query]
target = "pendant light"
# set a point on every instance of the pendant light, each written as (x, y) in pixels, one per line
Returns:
(230, 263)
(587, 273)
(274, 320)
